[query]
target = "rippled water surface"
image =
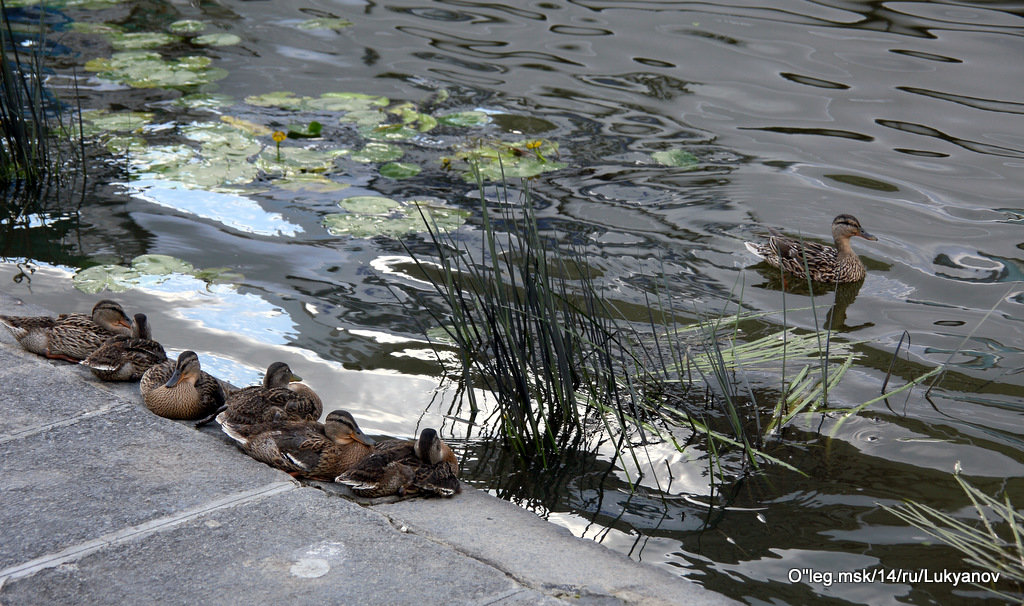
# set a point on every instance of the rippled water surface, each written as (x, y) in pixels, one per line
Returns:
(905, 114)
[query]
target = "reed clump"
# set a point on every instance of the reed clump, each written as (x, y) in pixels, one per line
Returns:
(531, 325)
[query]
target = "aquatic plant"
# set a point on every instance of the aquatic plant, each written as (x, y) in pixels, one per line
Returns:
(994, 543)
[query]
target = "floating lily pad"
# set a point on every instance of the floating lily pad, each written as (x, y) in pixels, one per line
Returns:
(217, 39)
(499, 160)
(325, 23)
(140, 40)
(522, 125)
(369, 205)
(84, 27)
(282, 99)
(250, 127)
(305, 131)
(145, 69)
(121, 144)
(308, 182)
(464, 119)
(298, 159)
(378, 216)
(205, 101)
(187, 26)
(676, 157)
(400, 170)
(100, 120)
(348, 102)
(378, 152)
(159, 265)
(400, 122)
(95, 279)
(159, 159)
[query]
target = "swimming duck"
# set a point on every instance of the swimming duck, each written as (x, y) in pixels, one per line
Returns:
(304, 448)
(280, 391)
(180, 389)
(70, 337)
(126, 358)
(823, 263)
(401, 467)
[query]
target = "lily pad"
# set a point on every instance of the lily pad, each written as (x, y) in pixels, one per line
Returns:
(499, 160)
(400, 170)
(187, 26)
(205, 101)
(298, 160)
(140, 40)
(375, 151)
(305, 131)
(84, 27)
(676, 157)
(369, 205)
(250, 127)
(217, 39)
(464, 119)
(370, 216)
(309, 182)
(348, 102)
(100, 120)
(325, 23)
(121, 144)
(281, 99)
(145, 69)
(159, 265)
(98, 278)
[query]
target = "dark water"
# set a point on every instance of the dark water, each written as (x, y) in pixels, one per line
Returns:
(905, 114)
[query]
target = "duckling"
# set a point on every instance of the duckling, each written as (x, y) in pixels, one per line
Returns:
(303, 448)
(71, 337)
(280, 389)
(823, 263)
(126, 358)
(180, 389)
(401, 467)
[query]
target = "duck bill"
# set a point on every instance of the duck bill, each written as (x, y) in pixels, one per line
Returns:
(362, 438)
(175, 378)
(866, 235)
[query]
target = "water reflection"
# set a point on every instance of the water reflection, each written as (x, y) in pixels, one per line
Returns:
(795, 111)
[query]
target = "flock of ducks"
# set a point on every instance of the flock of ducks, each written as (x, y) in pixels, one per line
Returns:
(276, 422)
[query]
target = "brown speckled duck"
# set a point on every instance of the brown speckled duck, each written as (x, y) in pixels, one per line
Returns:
(822, 263)
(279, 393)
(126, 358)
(180, 389)
(304, 448)
(70, 337)
(401, 467)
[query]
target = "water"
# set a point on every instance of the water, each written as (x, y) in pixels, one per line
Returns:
(905, 114)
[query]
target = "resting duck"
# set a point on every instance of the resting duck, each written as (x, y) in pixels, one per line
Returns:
(126, 358)
(822, 263)
(280, 393)
(70, 337)
(180, 389)
(400, 467)
(304, 449)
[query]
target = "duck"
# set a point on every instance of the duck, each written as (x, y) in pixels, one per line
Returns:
(305, 449)
(820, 262)
(70, 337)
(281, 393)
(403, 467)
(180, 389)
(127, 357)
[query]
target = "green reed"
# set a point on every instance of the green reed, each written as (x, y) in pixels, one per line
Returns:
(32, 153)
(993, 543)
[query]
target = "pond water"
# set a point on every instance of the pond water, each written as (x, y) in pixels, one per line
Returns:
(905, 114)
